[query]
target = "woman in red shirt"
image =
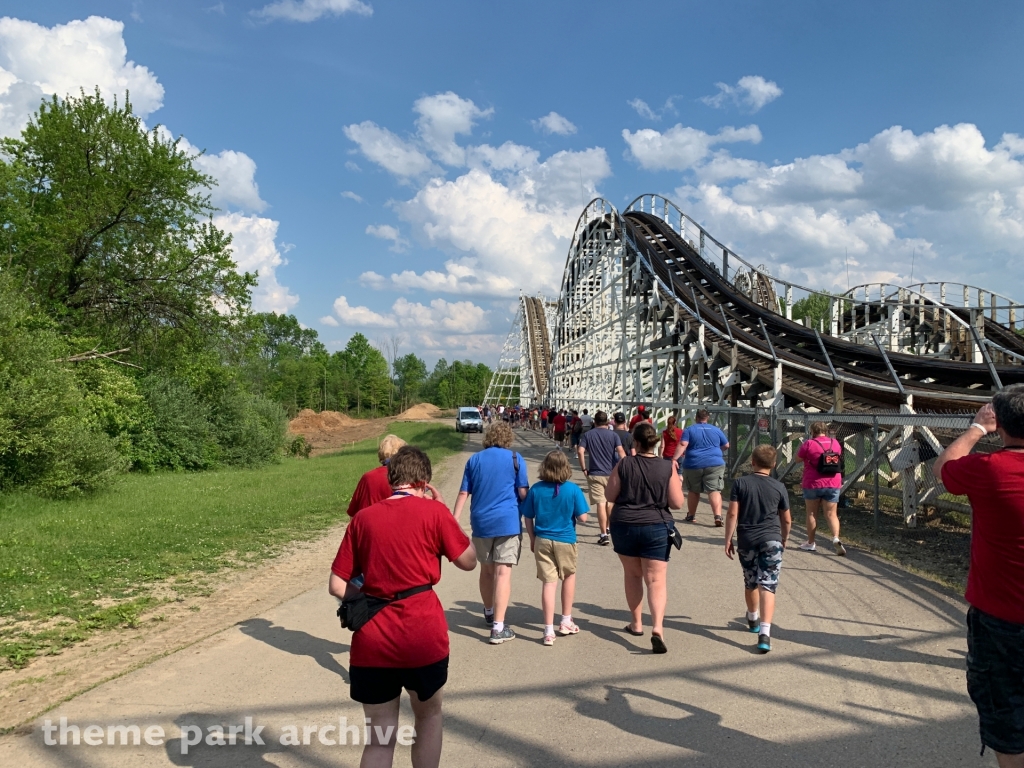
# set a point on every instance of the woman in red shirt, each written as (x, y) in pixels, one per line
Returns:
(398, 546)
(373, 486)
(670, 438)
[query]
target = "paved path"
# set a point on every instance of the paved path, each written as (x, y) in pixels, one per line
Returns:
(867, 671)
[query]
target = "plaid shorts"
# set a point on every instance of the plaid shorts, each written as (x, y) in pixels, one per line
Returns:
(761, 565)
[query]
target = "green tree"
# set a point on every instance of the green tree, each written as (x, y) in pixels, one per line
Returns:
(108, 227)
(814, 307)
(410, 375)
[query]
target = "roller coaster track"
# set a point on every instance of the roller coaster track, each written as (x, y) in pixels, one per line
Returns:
(644, 315)
(525, 365)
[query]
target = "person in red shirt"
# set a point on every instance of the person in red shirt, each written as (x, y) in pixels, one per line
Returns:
(374, 486)
(559, 428)
(641, 415)
(398, 544)
(994, 484)
(670, 438)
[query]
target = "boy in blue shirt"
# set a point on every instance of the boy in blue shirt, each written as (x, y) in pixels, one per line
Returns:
(496, 479)
(551, 509)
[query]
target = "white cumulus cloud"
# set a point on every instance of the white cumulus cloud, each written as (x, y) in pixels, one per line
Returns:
(387, 232)
(459, 317)
(391, 152)
(555, 123)
(681, 147)
(311, 10)
(504, 223)
(751, 93)
(38, 62)
(352, 196)
(255, 250)
(944, 204)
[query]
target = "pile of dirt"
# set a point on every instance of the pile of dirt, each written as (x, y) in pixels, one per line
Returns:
(308, 420)
(331, 431)
(418, 412)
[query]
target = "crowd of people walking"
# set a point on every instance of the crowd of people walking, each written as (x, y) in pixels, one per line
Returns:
(635, 477)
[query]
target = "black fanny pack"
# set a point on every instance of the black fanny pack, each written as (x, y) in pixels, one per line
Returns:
(355, 612)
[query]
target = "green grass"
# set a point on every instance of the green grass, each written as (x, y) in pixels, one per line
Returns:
(58, 558)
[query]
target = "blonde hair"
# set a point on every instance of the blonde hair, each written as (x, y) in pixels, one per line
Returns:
(498, 434)
(555, 468)
(819, 428)
(388, 447)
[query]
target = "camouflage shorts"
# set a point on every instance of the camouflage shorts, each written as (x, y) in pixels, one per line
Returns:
(761, 565)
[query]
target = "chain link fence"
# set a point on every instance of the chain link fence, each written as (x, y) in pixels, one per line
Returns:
(887, 457)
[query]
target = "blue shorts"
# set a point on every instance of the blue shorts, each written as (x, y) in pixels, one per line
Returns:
(650, 542)
(825, 494)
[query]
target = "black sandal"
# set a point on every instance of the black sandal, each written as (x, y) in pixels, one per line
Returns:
(629, 630)
(658, 645)
(689, 518)
(718, 521)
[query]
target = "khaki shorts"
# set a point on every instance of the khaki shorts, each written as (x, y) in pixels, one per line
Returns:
(499, 550)
(597, 484)
(706, 480)
(555, 559)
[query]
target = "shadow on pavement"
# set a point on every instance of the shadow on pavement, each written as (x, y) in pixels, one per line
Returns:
(297, 643)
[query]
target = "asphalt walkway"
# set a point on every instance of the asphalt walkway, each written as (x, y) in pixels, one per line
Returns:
(867, 670)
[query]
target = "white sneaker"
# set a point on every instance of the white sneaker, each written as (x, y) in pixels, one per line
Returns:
(837, 545)
(808, 546)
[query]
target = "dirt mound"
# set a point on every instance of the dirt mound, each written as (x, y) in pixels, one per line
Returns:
(421, 411)
(307, 421)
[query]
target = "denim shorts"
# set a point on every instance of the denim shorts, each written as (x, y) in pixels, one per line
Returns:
(825, 494)
(650, 542)
(995, 680)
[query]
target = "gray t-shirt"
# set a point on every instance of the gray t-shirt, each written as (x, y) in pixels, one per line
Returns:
(761, 500)
(600, 445)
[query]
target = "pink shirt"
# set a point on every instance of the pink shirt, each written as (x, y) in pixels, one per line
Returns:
(809, 452)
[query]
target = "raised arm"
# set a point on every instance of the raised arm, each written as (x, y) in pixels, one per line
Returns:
(963, 445)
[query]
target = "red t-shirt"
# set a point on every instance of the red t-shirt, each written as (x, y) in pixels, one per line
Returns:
(371, 488)
(544, 415)
(559, 423)
(994, 484)
(637, 419)
(398, 546)
(669, 441)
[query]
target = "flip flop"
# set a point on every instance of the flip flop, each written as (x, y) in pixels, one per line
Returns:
(658, 645)
(629, 630)
(689, 519)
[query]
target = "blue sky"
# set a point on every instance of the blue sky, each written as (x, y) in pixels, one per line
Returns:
(386, 166)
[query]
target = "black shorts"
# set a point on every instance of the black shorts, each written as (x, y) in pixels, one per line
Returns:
(995, 680)
(378, 685)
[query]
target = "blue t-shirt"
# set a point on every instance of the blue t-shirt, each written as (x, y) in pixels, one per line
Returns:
(600, 445)
(554, 507)
(491, 479)
(706, 442)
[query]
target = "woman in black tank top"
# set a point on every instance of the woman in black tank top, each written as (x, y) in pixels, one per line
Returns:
(644, 488)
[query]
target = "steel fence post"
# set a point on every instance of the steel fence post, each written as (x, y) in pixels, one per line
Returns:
(876, 463)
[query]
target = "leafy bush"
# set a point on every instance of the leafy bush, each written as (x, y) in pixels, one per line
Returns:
(181, 426)
(49, 440)
(250, 428)
(119, 409)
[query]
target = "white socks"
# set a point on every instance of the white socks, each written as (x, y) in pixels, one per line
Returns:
(766, 629)
(549, 629)
(498, 626)
(752, 616)
(566, 618)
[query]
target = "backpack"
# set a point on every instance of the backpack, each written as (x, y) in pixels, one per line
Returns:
(829, 462)
(577, 426)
